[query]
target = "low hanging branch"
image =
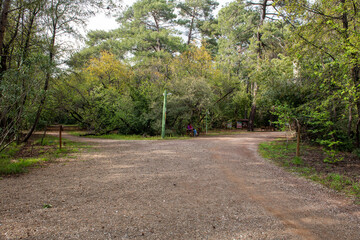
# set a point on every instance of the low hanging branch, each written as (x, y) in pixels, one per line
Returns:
(219, 100)
(223, 97)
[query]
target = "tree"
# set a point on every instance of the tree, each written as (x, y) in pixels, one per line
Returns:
(29, 31)
(329, 29)
(108, 71)
(3, 27)
(59, 18)
(236, 27)
(193, 13)
(20, 51)
(147, 28)
(263, 8)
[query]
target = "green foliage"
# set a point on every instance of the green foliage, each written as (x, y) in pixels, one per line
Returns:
(298, 161)
(278, 151)
(8, 166)
(337, 181)
(193, 14)
(46, 205)
(30, 60)
(146, 28)
(10, 151)
(332, 156)
(356, 191)
(285, 116)
(323, 45)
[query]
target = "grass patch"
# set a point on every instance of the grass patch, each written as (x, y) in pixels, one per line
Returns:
(224, 132)
(10, 151)
(136, 137)
(337, 182)
(298, 161)
(311, 166)
(129, 137)
(18, 158)
(277, 151)
(167, 137)
(8, 167)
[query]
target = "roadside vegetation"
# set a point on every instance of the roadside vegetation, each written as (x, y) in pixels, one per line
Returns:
(18, 158)
(116, 136)
(340, 174)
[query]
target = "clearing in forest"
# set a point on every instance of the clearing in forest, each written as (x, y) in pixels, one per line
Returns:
(201, 188)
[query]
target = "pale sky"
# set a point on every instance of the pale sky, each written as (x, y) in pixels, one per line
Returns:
(103, 22)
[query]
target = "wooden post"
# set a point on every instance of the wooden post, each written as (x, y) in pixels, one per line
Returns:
(298, 139)
(60, 140)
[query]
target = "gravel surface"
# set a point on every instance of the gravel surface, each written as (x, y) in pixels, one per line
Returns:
(202, 188)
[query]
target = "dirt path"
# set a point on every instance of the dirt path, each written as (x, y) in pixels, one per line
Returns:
(205, 188)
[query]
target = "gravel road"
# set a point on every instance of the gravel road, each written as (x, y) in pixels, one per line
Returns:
(203, 188)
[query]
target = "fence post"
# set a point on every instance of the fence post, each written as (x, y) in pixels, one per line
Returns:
(60, 140)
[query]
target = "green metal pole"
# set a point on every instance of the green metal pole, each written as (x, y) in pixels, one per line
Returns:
(164, 116)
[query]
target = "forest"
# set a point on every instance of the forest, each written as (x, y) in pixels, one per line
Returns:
(284, 63)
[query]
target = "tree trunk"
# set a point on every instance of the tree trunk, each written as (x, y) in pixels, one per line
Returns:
(259, 57)
(46, 87)
(3, 25)
(40, 108)
(349, 121)
(253, 108)
(191, 28)
(252, 117)
(247, 92)
(355, 70)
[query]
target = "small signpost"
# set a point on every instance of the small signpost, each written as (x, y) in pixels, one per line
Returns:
(60, 140)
